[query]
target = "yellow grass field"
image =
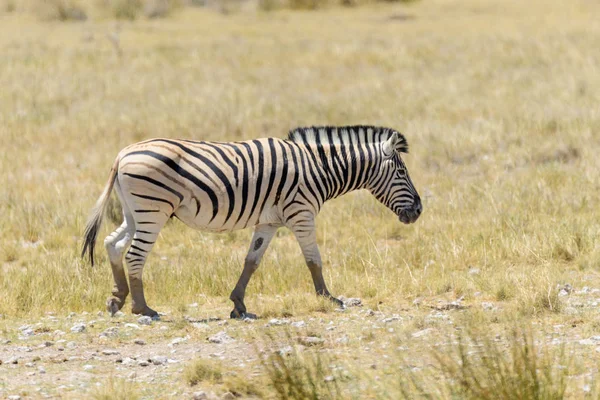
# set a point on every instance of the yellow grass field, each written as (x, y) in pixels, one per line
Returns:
(500, 103)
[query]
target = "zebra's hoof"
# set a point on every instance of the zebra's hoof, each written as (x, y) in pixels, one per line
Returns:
(146, 311)
(338, 302)
(235, 314)
(113, 305)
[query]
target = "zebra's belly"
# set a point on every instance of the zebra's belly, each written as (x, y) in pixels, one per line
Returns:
(206, 221)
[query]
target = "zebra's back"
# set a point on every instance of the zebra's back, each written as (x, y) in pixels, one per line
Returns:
(215, 186)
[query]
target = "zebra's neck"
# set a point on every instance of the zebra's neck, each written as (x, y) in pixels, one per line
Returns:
(340, 168)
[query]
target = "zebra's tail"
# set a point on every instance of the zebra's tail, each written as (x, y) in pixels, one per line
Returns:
(95, 221)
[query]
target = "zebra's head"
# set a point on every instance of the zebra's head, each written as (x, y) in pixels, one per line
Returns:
(391, 184)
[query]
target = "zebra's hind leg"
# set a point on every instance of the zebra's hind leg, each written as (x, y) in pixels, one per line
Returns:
(260, 241)
(115, 245)
(144, 237)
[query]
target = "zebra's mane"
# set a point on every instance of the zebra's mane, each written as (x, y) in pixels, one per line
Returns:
(343, 134)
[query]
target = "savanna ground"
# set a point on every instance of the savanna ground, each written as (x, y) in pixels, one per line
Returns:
(493, 293)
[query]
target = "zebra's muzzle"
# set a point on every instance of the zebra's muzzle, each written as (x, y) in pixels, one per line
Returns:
(410, 215)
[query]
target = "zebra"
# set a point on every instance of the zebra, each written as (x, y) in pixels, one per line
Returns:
(262, 183)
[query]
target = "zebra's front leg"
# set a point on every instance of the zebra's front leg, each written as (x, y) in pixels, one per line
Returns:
(304, 230)
(260, 241)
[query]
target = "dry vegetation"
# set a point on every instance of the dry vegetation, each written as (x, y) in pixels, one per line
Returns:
(499, 101)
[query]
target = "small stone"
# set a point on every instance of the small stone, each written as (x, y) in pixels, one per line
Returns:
(158, 360)
(24, 349)
(220, 338)
(200, 325)
(6, 341)
(422, 333)
(284, 351)
(311, 340)
(199, 396)
(88, 367)
(486, 305)
(36, 358)
(298, 324)
(343, 340)
(140, 342)
(143, 363)
(329, 378)
(29, 365)
(133, 326)
(128, 361)
(58, 332)
(41, 370)
(71, 345)
(393, 318)
(222, 323)
(110, 352)
(474, 271)
(352, 302)
(145, 320)
(178, 340)
(14, 397)
(598, 349)
(370, 313)
(25, 333)
(71, 314)
(587, 342)
(193, 305)
(278, 322)
(12, 360)
(47, 344)
(78, 328)
(563, 293)
(132, 375)
(113, 331)
(228, 396)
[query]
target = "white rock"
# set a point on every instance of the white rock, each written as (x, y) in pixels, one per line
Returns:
(133, 326)
(58, 332)
(140, 342)
(88, 367)
(394, 317)
(145, 320)
(311, 340)
(128, 361)
(298, 324)
(110, 352)
(588, 342)
(71, 345)
(143, 363)
(158, 360)
(286, 350)
(422, 333)
(193, 305)
(228, 396)
(278, 322)
(200, 325)
(329, 378)
(78, 328)
(113, 331)
(14, 397)
(486, 305)
(199, 396)
(41, 370)
(179, 340)
(220, 338)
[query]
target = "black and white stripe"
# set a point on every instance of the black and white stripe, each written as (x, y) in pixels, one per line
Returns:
(224, 186)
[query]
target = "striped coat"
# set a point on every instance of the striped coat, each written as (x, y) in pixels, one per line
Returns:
(264, 183)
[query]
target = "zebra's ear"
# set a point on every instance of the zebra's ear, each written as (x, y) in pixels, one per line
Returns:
(395, 143)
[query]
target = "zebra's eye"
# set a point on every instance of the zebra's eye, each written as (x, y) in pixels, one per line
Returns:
(401, 173)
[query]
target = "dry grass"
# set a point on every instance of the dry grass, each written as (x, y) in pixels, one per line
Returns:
(499, 102)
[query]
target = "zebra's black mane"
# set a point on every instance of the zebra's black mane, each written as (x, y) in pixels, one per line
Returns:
(341, 134)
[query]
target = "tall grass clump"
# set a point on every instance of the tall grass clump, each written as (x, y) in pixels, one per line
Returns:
(479, 366)
(202, 371)
(59, 10)
(300, 376)
(115, 389)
